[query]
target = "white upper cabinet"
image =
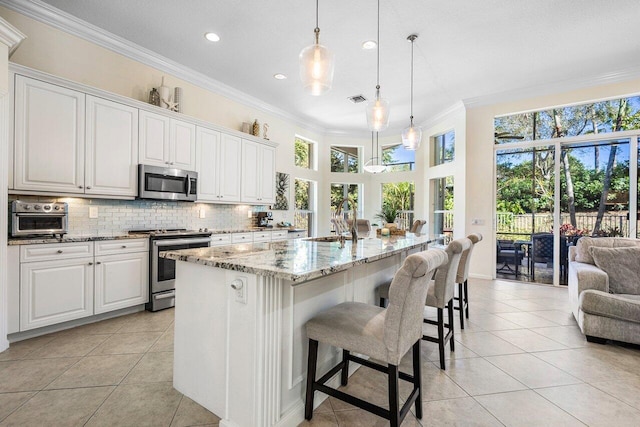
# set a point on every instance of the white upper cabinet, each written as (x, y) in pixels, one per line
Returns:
(112, 148)
(258, 173)
(167, 142)
(218, 166)
(49, 137)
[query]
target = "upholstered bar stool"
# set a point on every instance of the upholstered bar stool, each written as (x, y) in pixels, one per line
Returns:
(440, 296)
(461, 279)
(382, 334)
(417, 225)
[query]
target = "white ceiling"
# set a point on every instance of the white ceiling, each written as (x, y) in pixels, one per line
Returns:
(466, 49)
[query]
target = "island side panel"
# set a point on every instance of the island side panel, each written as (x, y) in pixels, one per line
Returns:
(200, 343)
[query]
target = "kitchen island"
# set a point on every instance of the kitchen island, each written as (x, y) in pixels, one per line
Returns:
(240, 344)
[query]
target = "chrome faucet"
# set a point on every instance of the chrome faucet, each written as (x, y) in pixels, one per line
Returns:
(354, 226)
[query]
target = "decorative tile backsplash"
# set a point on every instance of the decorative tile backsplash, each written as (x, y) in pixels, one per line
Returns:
(118, 216)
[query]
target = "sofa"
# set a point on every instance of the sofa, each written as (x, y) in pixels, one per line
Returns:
(604, 288)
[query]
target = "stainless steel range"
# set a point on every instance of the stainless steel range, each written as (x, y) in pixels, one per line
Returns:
(162, 271)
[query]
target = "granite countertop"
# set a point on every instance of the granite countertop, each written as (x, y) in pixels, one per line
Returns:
(297, 260)
(69, 238)
(252, 229)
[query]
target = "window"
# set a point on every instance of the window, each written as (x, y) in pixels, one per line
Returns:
(400, 195)
(398, 159)
(596, 117)
(345, 159)
(303, 215)
(443, 207)
(303, 153)
(444, 148)
(341, 191)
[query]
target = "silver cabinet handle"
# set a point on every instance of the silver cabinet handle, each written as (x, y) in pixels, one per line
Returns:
(79, 186)
(171, 163)
(59, 251)
(88, 187)
(98, 263)
(90, 263)
(124, 246)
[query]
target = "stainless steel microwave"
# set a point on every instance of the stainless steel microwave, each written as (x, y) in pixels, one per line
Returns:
(167, 183)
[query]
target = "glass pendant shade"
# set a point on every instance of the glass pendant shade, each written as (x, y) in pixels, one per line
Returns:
(371, 168)
(411, 137)
(316, 69)
(378, 114)
(374, 165)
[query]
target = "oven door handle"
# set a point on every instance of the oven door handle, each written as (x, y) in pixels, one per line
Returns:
(188, 186)
(172, 242)
(40, 215)
(164, 296)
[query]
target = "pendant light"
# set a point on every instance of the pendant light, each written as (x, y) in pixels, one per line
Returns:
(378, 109)
(316, 65)
(412, 136)
(374, 165)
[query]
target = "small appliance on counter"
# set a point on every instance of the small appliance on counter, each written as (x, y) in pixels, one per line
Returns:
(263, 219)
(39, 219)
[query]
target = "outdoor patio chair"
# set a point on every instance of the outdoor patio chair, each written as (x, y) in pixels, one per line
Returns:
(507, 255)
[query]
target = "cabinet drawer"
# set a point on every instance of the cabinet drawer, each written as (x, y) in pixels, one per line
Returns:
(280, 235)
(220, 239)
(262, 236)
(48, 252)
(297, 234)
(122, 246)
(242, 238)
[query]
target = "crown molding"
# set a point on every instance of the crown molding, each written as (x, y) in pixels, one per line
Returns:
(455, 108)
(10, 36)
(68, 23)
(553, 88)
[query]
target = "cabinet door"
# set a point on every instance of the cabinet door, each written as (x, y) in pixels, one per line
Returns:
(207, 164)
(55, 291)
(121, 281)
(49, 137)
(154, 139)
(183, 145)
(112, 148)
(229, 167)
(267, 181)
(250, 171)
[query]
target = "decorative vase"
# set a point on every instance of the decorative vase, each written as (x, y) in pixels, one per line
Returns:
(256, 128)
(165, 95)
(154, 97)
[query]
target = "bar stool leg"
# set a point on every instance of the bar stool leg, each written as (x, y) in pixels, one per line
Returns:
(450, 315)
(466, 298)
(345, 367)
(311, 378)
(461, 304)
(394, 403)
(382, 302)
(441, 336)
(417, 377)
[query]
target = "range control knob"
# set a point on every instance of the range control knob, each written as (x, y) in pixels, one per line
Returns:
(56, 207)
(46, 207)
(27, 207)
(200, 230)
(206, 230)
(37, 207)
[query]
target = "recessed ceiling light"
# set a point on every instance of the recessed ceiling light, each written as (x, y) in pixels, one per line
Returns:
(212, 37)
(369, 44)
(279, 76)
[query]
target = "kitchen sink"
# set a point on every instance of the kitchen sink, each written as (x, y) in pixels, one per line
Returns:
(329, 238)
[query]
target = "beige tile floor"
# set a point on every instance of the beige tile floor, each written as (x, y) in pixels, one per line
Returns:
(520, 361)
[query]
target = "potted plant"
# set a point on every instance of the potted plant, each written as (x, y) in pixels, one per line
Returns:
(388, 215)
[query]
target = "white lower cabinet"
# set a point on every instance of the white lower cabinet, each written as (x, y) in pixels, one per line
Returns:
(65, 281)
(121, 281)
(55, 291)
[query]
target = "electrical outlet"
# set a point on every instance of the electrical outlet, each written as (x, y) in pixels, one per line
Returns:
(93, 212)
(203, 213)
(239, 286)
(249, 214)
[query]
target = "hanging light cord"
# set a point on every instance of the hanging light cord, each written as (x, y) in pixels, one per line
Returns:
(317, 29)
(378, 51)
(411, 117)
(378, 148)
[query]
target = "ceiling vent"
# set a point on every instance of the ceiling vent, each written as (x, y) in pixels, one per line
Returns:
(357, 99)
